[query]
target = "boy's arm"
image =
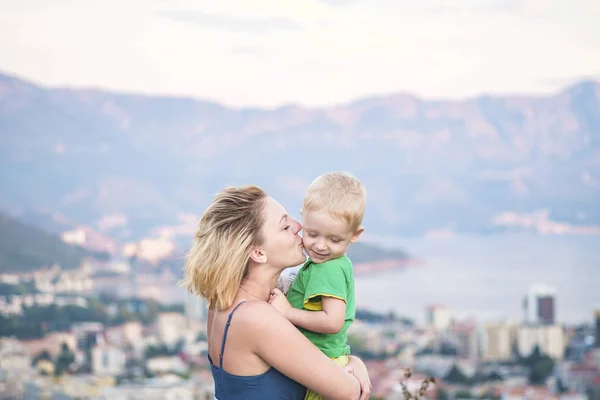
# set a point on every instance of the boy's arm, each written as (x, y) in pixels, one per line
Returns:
(329, 321)
(325, 294)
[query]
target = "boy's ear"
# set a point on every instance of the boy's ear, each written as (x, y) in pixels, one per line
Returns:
(357, 234)
(258, 255)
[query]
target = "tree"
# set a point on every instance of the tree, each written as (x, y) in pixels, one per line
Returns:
(160, 350)
(447, 349)
(463, 394)
(456, 376)
(540, 366)
(533, 358)
(541, 371)
(64, 360)
(495, 376)
(561, 387)
(44, 355)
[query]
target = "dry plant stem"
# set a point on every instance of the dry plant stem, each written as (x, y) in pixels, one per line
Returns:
(422, 390)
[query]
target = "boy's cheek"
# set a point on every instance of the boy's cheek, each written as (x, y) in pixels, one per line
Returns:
(307, 242)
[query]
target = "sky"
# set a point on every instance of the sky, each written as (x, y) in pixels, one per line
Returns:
(310, 52)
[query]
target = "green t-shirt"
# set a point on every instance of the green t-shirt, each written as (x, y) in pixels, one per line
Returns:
(333, 278)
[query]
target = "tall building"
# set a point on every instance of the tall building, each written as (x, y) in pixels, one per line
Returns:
(550, 339)
(439, 317)
(467, 337)
(496, 342)
(539, 305)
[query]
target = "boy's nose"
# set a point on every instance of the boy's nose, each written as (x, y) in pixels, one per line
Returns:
(320, 245)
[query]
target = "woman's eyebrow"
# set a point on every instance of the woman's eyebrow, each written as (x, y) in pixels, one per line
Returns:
(282, 218)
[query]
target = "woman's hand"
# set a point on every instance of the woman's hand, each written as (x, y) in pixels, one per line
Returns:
(280, 302)
(358, 369)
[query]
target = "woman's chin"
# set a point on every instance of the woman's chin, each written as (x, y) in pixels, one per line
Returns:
(301, 259)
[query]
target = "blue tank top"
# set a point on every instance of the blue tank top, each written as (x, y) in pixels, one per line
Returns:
(270, 385)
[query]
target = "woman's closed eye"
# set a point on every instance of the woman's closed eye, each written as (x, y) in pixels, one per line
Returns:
(287, 227)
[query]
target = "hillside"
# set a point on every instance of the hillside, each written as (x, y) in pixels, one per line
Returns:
(480, 165)
(364, 252)
(24, 248)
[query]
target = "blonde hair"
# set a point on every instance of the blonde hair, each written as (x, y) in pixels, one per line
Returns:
(341, 194)
(228, 231)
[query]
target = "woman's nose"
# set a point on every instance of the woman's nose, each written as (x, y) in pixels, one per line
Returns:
(298, 228)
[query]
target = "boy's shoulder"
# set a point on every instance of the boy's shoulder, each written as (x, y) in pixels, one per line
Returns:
(342, 262)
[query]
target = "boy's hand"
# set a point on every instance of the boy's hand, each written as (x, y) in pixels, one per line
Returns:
(280, 302)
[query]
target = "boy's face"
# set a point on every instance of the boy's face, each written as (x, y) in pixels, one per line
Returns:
(326, 237)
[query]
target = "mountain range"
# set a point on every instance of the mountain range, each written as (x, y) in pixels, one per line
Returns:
(130, 168)
(25, 248)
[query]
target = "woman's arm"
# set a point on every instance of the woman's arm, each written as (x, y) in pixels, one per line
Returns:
(282, 346)
(357, 368)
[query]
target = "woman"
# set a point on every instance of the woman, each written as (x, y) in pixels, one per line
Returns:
(245, 239)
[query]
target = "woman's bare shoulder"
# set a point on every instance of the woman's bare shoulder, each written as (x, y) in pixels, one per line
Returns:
(255, 316)
(249, 310)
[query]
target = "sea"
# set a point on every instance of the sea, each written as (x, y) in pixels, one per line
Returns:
(487, 277)
(483, 277)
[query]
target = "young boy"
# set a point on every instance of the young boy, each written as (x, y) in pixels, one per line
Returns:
(322, 293)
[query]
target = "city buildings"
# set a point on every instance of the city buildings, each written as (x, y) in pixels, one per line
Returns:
(539, 305)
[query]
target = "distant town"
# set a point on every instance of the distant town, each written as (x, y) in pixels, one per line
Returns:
(108, 331)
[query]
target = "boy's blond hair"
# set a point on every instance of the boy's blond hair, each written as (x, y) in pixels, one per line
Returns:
(339, 193)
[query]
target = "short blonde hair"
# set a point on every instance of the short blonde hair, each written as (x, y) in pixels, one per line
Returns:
(341, 194)
(230, 228)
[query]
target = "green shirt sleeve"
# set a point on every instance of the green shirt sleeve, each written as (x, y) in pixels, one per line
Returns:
(329, 279)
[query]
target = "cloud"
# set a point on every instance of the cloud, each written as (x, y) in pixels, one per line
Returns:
(530, 8)
(150, 249)
(541, 223)
(329, 47)
(257, 26)
(188, 224)
(517, 177)
(89, 238)
(589, 180)
(76, 196)
(249, 51)
(161, 243)
(111, 221)
(441, 233)
(76, 237)
(338, 3)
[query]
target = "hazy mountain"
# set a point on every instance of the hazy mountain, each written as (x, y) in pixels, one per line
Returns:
(131, 165)
(24, 248)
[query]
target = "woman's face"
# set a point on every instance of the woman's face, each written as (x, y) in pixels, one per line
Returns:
(282, 244)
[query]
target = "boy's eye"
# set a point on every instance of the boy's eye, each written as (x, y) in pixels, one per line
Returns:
(312, 235)
(335, 240)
